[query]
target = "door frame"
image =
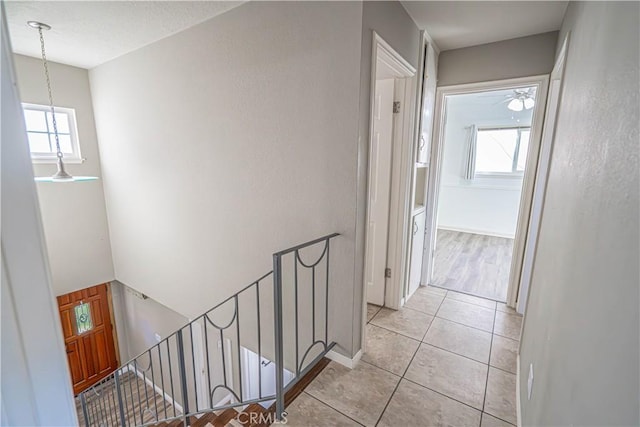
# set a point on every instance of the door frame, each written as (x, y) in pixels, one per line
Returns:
(541, 83)
(403, 144)
(554, 99)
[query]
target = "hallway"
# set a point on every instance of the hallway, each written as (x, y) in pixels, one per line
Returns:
(444, 359)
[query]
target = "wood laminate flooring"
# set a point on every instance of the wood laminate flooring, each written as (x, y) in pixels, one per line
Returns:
(473, 263)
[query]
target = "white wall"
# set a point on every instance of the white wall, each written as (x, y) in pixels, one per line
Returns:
(483, 205)
(581, 330)
(521, 57)
(227, 142)
(73, 214)
(36, 385)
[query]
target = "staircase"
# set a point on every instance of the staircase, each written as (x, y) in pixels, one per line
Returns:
(240, 363)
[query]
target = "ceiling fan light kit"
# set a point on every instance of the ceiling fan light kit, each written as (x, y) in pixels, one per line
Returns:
(61, 174)
(522, 99)
(515, 105)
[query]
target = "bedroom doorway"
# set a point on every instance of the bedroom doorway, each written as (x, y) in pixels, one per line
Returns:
(487, 145)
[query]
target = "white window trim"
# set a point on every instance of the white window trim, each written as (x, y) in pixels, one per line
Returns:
(503, 175)
(76, 156)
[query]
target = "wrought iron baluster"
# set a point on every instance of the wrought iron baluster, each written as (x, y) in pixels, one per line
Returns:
(94, 416)
(113, 402)
(164, 400)
(313, 303)
(224, 363)
(193, 366)
(277, 301)
(326, 301)
(153, 380)
(295, 307)
(206, 346)
(183, 377)
(83, 404)
(133, 403)
(173, 399)
(238, 346)
(146, 387)
(259, 343)
(123, 421)
(106, 393)
(135, 369)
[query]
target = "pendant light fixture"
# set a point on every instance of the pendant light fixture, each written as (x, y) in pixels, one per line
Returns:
(61, 174)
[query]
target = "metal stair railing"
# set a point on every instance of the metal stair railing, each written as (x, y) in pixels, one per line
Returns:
(221, 359)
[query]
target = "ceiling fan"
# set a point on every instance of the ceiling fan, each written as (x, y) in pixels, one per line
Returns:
(521, 99)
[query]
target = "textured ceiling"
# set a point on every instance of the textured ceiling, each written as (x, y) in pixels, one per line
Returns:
(89, 33)
(456, 24)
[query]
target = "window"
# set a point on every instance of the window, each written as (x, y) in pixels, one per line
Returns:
(42, 141)
(501, 152)
(83, 318)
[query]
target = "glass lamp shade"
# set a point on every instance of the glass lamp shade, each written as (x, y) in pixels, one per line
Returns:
(529, 103)
(72, 179)
(515, 105)
(61, 175)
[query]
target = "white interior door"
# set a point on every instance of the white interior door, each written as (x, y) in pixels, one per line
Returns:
(379, 190)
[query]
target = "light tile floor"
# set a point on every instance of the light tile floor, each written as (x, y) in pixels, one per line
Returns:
(445, 359)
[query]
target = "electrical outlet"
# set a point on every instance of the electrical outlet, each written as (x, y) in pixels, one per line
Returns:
(530, 382)
(158, 337)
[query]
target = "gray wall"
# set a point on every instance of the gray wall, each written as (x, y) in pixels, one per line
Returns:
(138, 320)
(229, 141)
(581, 327)
(73, 214)
(392, 22)
(521, 57)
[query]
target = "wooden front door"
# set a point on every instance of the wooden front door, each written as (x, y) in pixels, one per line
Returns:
(88, 335)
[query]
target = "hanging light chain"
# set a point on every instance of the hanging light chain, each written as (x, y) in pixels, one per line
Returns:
(53, 112)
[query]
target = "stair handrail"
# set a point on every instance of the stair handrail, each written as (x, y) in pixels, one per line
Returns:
(98, 410)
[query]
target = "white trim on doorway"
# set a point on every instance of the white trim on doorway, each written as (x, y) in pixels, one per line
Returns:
(541, 84)
(397, 243)
(544, 162)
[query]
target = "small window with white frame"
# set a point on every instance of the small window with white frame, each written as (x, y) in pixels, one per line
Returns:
(501, 152)
(42, 140)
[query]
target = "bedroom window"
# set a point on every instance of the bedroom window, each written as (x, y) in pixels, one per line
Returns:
(501, 151)
(42, 142)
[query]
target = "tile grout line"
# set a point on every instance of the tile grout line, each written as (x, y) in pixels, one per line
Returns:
(443, 395)
(473, 303)
(470, 294)
(486, 384)
(488, 363)
(407, 368)
(399, 381)
(329, 406)
(420, 342)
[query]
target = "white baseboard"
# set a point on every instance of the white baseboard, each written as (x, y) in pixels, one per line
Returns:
(518, 407)
(167, 397)
(473, 231)
(344, 360)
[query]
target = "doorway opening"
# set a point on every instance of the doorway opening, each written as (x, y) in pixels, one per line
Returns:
(390, 152)
(487, 149)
